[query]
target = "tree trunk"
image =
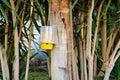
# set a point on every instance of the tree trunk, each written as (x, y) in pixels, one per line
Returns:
(104, 38)
(105, 55)
(29, 43)
(6, 46)
(85, 62)
(89, 54)
(113, 58)
(74, 66)
(108, 69)
(49, 63)
(61, 54)
(16, 45)
(81, 61)
(2, 64)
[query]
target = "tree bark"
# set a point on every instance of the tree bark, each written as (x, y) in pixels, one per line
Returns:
(74, 66)
(113, 58)
(89, 54)
(85, 62)
(22, 19)
(2, 63)
(16, 45)
(6, 46)
(29, 43)
(104, 38)
(104, 44)
(61, 59)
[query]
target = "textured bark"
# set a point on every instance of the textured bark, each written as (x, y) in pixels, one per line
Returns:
(61, 54)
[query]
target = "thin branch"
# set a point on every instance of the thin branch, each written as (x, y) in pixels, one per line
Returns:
(96, 29)
(112, 39)
(109, 43)
(2, 63)
(117, 56)
(22, 19)
(112, 57)
(6, 32)
(104, 34)
(29, 44)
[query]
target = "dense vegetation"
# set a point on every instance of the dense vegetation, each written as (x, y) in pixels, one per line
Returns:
(95, 30)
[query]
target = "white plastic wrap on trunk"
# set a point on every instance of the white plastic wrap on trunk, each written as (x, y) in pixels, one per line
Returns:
(47, 34)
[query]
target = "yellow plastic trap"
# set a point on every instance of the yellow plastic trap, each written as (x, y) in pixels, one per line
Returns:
(46, 46)
(47, 37)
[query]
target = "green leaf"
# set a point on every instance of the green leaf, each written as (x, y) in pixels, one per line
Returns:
(33, 55)
(118, 20)
(3, 12)
(40, 12)
(71, 8)
(6, 3)
(36, 25)
(18, 4)
(48, 0)
(118, 12)
(79, 27)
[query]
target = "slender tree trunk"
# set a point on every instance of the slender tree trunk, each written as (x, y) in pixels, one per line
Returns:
(81, 46)
(16, 45)
(90, 56)
(74, 66)
(90, 65)
(74, 54)
(22, 20)
(2, 63)
(81, 61)
(6, 46)
(95, 66)
(85, 62)
(107, 71)
(95, 38)
(104, 38)
(49, 64)
(29, 43)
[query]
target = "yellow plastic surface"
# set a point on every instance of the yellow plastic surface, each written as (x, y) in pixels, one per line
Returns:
(46, 46)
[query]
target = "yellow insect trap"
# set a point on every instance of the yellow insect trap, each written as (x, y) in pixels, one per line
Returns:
(47, 38)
